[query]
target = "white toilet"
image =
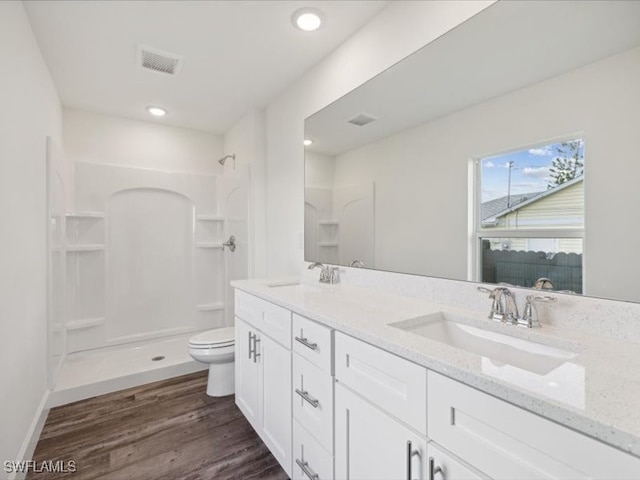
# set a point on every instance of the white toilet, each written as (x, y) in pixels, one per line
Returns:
(216, 348)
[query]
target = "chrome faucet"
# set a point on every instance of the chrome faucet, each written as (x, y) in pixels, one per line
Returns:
(504, 307)
(330, 275)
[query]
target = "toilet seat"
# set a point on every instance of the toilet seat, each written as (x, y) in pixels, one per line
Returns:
(217, 338)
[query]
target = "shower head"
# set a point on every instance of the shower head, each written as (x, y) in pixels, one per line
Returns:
(224, 159)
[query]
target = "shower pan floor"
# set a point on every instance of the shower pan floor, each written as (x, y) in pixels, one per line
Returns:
(96, 372)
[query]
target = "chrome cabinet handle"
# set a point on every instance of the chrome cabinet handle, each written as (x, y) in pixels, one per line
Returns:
(410, 453)
(251, 337)
(304, 341)
(304, 466)
(433, 469)
(305, 396)
(256, 339)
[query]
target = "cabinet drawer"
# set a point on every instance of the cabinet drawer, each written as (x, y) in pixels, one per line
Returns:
(506, 442)
(308, 452)
(267, 317)
(313, 400)
(313, 342)
(392, 383)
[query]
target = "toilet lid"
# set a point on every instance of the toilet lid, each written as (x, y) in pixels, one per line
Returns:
(220, 337)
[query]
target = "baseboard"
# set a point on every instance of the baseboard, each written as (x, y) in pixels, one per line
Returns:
(33, 435)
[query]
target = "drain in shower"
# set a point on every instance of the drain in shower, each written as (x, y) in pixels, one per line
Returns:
(158, 358)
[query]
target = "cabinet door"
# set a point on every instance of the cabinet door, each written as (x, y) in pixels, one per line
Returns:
(275, 385)
(447, 467)
(247, 388)
(371, 445)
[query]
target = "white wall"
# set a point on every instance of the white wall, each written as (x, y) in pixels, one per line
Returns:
(95, 138)
(399, 30)
(30, 112)
(319, 170)
(421, 173)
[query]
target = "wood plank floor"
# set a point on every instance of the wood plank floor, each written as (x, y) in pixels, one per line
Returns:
(167, 430)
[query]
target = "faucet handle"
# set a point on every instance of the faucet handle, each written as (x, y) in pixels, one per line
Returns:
(530, 315)
(334, 275)
(498, 309)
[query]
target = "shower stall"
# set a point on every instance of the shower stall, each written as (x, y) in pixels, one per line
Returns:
(146, 265)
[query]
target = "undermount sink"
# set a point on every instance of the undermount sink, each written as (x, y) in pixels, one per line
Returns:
(445, 328)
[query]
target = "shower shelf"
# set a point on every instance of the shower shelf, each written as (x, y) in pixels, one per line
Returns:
(328, 222)
(85, 215)
(85, 248)
(209, 218)
(209, 245)
(327, 244)
(84, 323)
(207, 307)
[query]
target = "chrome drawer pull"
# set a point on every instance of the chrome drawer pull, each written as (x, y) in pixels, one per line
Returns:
(305, 396)
(304, 466)
(251, 336)
(305, 342)
(433, 469)
(255, 348)
(410, 453)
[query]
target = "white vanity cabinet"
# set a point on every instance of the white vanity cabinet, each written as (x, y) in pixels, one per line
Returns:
(263, 372)
(330, 406)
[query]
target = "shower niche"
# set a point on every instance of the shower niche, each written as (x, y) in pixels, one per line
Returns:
(144, 255)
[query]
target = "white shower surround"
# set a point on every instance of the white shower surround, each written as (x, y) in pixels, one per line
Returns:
(144, 256)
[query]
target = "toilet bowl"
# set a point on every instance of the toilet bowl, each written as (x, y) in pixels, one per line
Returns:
(216, 348)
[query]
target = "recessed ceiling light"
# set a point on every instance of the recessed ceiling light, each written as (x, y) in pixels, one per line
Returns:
(157, 111)
(307, 142)
(307, 19)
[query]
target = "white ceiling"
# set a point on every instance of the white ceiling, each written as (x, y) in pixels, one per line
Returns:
(237, 55)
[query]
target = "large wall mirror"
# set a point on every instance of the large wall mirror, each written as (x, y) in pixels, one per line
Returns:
(504, 151)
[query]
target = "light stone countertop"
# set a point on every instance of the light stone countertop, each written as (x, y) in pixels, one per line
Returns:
(596, 393)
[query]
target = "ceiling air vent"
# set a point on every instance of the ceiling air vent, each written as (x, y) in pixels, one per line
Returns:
(159, 61)
(362, 119)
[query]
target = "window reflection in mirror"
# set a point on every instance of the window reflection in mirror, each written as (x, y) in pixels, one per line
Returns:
(531, 216)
